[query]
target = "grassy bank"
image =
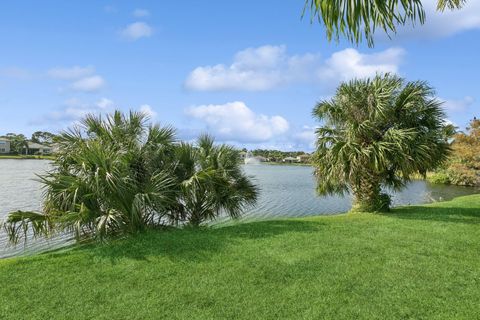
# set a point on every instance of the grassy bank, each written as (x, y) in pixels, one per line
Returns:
(419, 262)
(26, 157)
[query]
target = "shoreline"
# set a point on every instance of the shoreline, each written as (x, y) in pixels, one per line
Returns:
(24, 157)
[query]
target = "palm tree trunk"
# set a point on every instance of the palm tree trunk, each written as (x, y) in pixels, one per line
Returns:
(368, 196)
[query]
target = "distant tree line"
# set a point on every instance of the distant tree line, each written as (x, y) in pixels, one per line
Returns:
(275, 155)
(18, 142)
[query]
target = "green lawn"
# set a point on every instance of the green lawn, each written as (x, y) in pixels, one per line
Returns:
(10, 156)
(415, 263)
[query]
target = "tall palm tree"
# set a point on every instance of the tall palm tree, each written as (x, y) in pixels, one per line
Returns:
(376, 133)
(212, 182)
(110, 176)
(361, 18)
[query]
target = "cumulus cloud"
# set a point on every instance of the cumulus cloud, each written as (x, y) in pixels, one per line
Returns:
(268, 67)
(140, 13)
(148, 110)
(81, 78)
(105, 103)
(137, 30)
(349, 63)
(305, 138)
(441, 24)
(461, 105)
(88, 84)
(73, 110)
(234, 121)
(253, 69)
(71, 73)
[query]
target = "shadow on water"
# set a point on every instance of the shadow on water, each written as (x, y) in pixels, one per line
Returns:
(439, 214)
(192, 244)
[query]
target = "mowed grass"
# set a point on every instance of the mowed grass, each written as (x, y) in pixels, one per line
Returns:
(418, 262)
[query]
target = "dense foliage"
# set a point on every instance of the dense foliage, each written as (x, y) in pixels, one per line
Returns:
(120, 175)
(211, 182)
(276, 155)
(43, 137)
(377, 133)
(360, 19)
(463, 166)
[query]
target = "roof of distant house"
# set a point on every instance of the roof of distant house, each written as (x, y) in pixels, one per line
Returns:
(34, 145)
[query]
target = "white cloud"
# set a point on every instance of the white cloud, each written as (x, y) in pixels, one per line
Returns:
(349, 63)
(81, 78)
(105, 103)
(253, 69)
(88, 84)
(305, 138)
(141, 13)
(443, 24)
(72, 73)
(234, 121)
(268, 67)
(453, 106)
(73, 110)
(147, 109)
(137, 30)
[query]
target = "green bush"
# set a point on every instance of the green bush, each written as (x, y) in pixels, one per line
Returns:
(440, 177)
(121, 175)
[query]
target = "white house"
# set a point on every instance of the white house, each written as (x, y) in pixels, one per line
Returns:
(290, 159)
(37, 148)
(4, 146)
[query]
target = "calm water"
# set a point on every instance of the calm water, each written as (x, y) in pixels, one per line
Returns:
(289, 191)
(286, 191)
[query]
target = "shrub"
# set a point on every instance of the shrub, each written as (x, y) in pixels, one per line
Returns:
(121, 175)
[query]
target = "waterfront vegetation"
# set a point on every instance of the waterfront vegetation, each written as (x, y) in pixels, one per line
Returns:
(378, 132)
(463, 166)
(415, 262)
(119, 175)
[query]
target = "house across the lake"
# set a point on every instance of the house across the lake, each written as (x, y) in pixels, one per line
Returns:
(303, 158)
(290, 160)
(4, 146)
(37, 148)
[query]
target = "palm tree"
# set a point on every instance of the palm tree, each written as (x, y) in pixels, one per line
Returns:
(212, 182)
(361, 18)
(376, 133)
(121, 175)
(110, 176)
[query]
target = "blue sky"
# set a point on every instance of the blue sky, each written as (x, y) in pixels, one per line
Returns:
(249, 72)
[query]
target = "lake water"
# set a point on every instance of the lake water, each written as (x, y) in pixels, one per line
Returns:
(286, 191)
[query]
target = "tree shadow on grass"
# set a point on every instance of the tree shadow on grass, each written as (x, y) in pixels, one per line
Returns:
(193, 244)
(440, 214)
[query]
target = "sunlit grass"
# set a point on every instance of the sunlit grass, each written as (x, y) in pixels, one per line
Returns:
(415, 263)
